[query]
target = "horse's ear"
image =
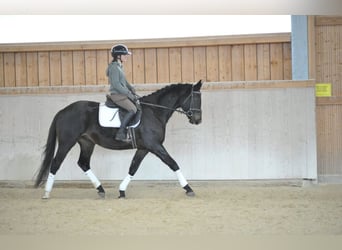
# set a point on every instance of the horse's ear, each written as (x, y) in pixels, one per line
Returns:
(198, 85)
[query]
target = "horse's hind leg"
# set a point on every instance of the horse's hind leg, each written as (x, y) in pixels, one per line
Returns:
(87, 148)
(61, 153)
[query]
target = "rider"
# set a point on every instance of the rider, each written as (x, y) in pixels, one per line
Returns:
(121, 92)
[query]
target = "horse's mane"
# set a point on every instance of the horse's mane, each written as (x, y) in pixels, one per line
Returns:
(177, 87)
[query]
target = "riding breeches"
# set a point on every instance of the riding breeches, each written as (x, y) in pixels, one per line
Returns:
(124, 102)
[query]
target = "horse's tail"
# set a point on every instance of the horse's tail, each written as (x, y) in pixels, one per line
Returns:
(48, 155)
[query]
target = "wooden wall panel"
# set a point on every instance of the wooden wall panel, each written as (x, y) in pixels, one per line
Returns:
(2, 75)
(263, 60)
(253, 57)
(175, 65)
(79, 67)
(287, 62)
(150, 65)
(102, 61)
(329, 140)
(250, 54)
(9, 69)
(163, 66)
(20, 69)
(238, 64)
(200, 63)
(277, 65)
(225, 63)
(90, 67)
(187, 64)
(212, 64)
(67, 68)
(138, 58)
(32, 69)
(328, 58)
(56, 68)
(43, 69)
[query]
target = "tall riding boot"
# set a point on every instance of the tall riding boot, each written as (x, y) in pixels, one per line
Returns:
(121, 134)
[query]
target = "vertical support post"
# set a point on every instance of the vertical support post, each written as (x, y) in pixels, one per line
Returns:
(302, 39)
(299, 40)
(312, 47)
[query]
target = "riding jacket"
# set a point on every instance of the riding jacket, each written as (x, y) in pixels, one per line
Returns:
(117, 80)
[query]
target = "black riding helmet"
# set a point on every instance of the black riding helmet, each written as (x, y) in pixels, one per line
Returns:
(120, 49)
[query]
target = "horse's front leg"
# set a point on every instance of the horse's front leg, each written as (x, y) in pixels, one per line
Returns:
(137, 159)
(161, 152)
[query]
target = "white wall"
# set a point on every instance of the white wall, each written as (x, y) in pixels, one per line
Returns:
(245, 134)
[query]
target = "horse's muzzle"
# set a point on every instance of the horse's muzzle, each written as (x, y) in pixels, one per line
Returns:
(196, 122)
(195, 119)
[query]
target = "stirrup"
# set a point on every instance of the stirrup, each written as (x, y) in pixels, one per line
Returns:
(124, 139)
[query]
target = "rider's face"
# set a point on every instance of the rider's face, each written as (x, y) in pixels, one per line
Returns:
(124, 58)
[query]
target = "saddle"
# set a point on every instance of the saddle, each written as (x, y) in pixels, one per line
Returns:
(110, 115)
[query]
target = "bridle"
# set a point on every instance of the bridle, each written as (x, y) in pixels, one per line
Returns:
(189, 113)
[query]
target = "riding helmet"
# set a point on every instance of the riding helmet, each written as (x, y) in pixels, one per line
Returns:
(120, 49)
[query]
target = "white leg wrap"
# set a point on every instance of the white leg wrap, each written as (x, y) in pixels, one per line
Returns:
(125, 182)
(181, 178)
(48, 186)
(49, 183)
(93, 178)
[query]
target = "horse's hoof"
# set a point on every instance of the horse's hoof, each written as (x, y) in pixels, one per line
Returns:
(101, 194)
(190, 194)
(122, 195)
(46, 195)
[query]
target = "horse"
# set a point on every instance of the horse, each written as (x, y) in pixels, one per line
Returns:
(78, 123)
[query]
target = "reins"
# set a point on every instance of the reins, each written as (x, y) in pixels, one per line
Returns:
(179, 110)
(162, 107)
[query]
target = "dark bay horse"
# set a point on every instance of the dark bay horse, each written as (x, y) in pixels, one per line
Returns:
(78, 123)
